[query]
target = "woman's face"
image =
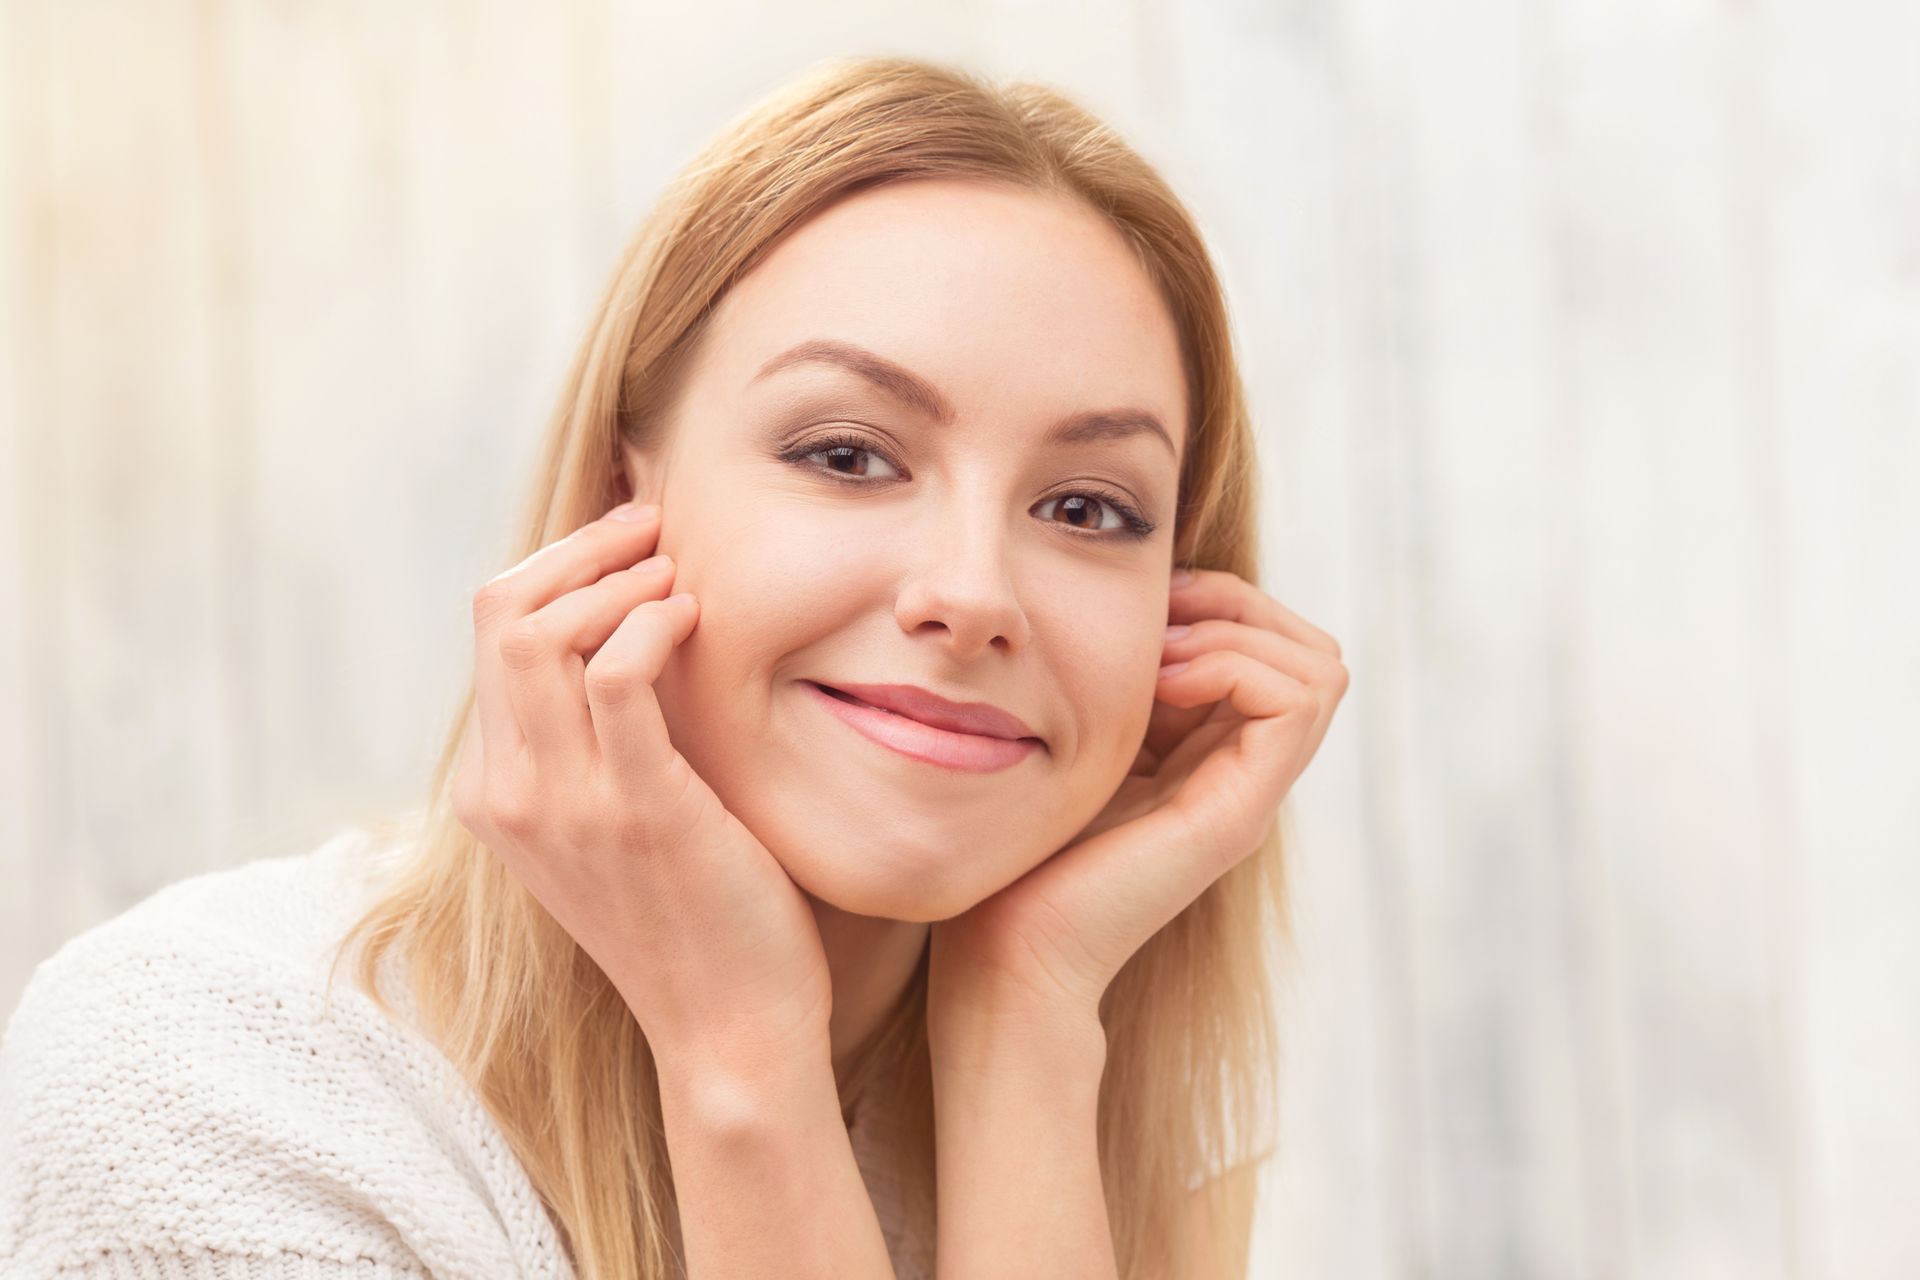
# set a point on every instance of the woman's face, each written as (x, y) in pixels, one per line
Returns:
(952, 544)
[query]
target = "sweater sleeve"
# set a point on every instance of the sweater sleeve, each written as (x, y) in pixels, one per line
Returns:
(174, 1102)
(144, 1264)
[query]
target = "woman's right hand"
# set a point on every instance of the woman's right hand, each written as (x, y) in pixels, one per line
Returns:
(573, 783)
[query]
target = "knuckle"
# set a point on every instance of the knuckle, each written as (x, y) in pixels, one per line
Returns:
(627, 827)
(506, 812)
(524, 644)
(576, 827)
(491, 600)
(610, 682)
(1298, 698)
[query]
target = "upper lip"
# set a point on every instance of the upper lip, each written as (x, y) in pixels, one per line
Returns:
(942, 713)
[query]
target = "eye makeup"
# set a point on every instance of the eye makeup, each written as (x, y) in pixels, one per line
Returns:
(1134, 525)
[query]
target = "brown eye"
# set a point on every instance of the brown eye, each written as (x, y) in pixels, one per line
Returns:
(1084, 505)
(841, 446)
(1131, 523)
(1078, 507)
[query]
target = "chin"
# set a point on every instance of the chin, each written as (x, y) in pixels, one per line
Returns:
(920, 895)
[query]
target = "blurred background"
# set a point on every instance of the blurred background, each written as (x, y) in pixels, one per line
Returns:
(1584, 344)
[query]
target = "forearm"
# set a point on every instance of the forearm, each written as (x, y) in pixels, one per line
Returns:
(1016, 1104)
(763, 1169)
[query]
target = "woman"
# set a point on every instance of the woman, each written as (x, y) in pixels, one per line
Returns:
(842, 789)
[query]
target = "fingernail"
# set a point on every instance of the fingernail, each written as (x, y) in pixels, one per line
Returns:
(1181, 577)
(633, 513)
(1173, 668)
(1176, 631)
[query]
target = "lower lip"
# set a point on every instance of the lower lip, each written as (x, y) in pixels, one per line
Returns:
(968, 752)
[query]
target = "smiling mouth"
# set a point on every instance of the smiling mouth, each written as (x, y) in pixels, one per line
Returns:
(837, 694)
(916, 739)
(832, 692)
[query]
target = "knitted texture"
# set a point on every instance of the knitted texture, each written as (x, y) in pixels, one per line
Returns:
(176, 1100)
(142, 1264)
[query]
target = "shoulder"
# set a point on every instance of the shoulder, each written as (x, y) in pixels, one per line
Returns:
(288, 907)
(177, 1078)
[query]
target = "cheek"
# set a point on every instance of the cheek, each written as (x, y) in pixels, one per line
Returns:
(1112, 714)
(765, 572)
(756, 546)
(1108, 674)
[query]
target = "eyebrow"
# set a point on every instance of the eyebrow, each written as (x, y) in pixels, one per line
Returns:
(903, 384)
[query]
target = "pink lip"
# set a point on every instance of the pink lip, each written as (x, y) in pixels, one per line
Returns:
(927, 707)
(968, 752)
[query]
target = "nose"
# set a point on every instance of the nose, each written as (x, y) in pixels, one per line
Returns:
(962, 581)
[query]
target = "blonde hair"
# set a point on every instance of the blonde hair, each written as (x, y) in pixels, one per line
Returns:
(521, 1011)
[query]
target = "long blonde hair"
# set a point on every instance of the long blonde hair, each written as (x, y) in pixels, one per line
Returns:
(517, 1007)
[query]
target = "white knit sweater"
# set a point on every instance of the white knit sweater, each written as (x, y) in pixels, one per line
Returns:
(175, 1101)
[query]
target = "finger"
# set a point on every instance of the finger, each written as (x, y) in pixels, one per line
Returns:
(1170, 726)
(546, 655)
(583, 556)
(586, 555)
(1310, 665)
(1284, 717)
(1219, 816)
(1215, 593)
(1137, 876)
(627, 723)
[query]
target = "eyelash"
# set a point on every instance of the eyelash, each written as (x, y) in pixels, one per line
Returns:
(1137, 526)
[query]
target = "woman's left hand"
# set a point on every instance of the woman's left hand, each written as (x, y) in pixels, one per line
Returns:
(1227, 737)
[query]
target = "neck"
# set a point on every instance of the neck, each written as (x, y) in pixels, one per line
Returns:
(871, 959)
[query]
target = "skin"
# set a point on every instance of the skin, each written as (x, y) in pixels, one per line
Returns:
(956, 566)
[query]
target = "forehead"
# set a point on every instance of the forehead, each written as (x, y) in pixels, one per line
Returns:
(1011, 302)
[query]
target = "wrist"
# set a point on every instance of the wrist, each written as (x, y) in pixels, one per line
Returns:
(990, 1030)
(726, 1061)
(745, 1100)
